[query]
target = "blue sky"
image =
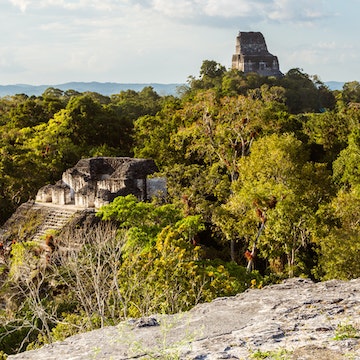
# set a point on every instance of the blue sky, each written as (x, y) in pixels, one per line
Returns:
(165, 41)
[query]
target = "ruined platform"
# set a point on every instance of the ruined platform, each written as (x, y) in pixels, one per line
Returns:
(95, 182)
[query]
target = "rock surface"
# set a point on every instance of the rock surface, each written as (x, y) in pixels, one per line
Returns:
(297, 319)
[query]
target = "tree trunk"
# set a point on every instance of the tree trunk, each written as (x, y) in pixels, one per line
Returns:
(232, 250)
(251, 265)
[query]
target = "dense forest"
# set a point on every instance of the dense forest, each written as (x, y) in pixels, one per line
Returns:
(263, 183)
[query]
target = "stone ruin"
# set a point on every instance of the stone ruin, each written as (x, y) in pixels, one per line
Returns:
(252, 55)
(95, 182)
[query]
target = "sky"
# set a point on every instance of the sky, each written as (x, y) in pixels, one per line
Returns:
(165, 41)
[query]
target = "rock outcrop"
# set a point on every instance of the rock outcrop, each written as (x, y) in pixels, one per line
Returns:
(298, 319)
(252, 55)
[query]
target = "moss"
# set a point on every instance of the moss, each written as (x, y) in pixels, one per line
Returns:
(24, 223)
(280, 354)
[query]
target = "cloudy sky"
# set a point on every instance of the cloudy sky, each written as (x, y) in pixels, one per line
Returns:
(165, 41)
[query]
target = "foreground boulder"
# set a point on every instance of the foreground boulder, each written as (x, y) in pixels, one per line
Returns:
(297, 319)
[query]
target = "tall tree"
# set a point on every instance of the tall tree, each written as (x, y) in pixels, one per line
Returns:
(277, 193)
(351, 92)
(338, 237)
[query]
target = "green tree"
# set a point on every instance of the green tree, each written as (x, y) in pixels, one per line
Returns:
(143, 221)
(209, 133)
(211, 69)
(351, 92)
(21, 169)
(327, 134)
(302, 95)
(31, 112)
(130, 104)
(346, 166)
(218, 130)
(277, 193)
(211, 74)
(338, 234)
(170, 276)
(153, 134)
(50, 145)
(197, 188)
(42, 136)
(338, 228)
(234, 83)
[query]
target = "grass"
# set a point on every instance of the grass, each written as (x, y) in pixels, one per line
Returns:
(346, 331)
(280, 354)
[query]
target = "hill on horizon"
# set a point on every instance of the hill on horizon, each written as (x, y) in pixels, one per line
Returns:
(108, 88)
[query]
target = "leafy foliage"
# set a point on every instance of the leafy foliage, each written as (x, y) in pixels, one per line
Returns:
(98, 275)
(346, 331)
(338, 237)
(276, 186)
(262, 173)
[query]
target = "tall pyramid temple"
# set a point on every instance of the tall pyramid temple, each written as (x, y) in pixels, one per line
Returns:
(252, 55)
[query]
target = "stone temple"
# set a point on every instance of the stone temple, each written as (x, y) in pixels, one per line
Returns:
(95, 182)
(252, 55)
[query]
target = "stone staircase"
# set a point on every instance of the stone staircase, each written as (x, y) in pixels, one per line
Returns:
(55, 219)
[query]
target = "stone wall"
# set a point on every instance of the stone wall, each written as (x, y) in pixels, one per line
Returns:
(252, 55)
(95, 182)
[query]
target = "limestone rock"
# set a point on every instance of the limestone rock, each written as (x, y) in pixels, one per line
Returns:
(297, 318)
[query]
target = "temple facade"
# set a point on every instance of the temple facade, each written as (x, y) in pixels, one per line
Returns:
(252, 55)
(95, 182)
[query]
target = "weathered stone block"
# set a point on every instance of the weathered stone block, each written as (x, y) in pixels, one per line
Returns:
(45, 194)
(97, 181)
(252, 55)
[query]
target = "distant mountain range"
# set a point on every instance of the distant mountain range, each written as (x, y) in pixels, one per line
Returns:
(107, 88)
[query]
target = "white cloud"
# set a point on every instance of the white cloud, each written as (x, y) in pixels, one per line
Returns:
(310, 56)
(329, 45)
(190, 10)
(322, 53)
(231, 8)
(273, 10)
(183, 9)
(21, 4)
(103, 5)
(165, 40)
(173, 8)
(300, 10)
(10, 61)
(71, 5)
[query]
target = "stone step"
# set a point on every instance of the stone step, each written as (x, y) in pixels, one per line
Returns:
(55, 220)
